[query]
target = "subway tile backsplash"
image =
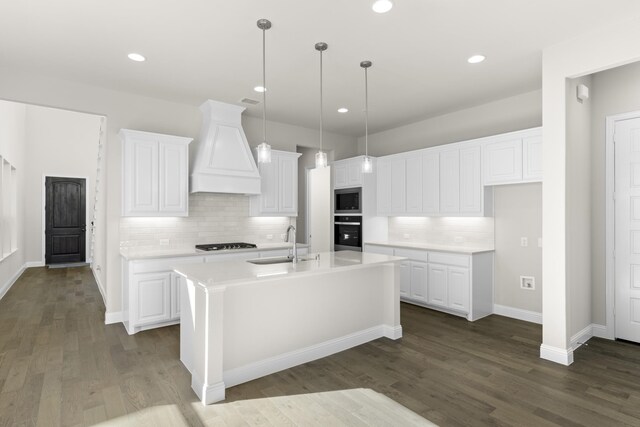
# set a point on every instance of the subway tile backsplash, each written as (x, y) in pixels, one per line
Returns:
(212, 218)
(466, 232)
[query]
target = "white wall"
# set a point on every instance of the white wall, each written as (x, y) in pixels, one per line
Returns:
(12, 147)
(613, 91)
(592, 52)
(517, 213)
(125, 110)
(505, 115)
(60, 143)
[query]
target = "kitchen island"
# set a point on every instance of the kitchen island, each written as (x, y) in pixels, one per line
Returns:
(242, 321)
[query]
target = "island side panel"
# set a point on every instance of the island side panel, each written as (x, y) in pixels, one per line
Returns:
(274, 324)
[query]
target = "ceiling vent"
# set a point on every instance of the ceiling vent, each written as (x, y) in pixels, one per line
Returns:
(249, 101)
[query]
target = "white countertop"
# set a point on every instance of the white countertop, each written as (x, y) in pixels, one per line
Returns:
(235, 272)
(136, 253)
(432, 247)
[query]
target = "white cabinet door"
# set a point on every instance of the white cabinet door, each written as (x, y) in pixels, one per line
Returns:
(340, 179)
(405, 278)
(383, 191)
(458, 280)
(419, 281)
(140, 177)
(153, 298)
(450, 181)
(176, 282)
(269, 186)
(532, 158)
(437, 281)
(470, 180)
(288, 177)
(503, 162)
(174, 170)
(414, 184)
(354, 172)
(398, 186)
(431, 183)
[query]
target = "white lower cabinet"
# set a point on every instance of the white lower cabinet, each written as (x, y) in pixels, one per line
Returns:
(153, 298)
(458, 283)
(176, 282)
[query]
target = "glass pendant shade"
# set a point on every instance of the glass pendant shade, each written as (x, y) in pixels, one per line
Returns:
(382, 6)
(264, 153)
(367, 165)
(321, 159)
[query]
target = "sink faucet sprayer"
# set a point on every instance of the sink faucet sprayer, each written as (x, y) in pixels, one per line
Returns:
(295, 247)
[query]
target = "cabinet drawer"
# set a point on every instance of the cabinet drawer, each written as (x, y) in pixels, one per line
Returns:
(163, 264)
(412, 254)
(449, 259)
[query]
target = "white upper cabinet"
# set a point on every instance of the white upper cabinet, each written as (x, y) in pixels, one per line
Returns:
(155, 180)
(398, 186)
(279, 186)
(347, 173)
(383, 186)
(414, 184)
(470, 180)
(450, 182)
(430, 183)
(513, 159)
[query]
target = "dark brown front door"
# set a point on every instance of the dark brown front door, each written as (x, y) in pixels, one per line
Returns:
(65, 212)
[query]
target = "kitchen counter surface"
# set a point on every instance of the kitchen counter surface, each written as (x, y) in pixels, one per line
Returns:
(131, 254)
(432, 247)
(235, 272)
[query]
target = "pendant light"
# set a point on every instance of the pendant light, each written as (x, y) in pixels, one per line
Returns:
(321, 156)
(367, 164)
(264, 149)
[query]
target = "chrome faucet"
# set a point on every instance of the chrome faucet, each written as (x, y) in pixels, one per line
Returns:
(295, 246)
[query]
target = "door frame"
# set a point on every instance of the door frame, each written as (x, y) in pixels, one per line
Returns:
(610, 243)
(88, 227)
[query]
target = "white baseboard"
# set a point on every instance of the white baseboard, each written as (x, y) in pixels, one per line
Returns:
(581, 337)
(557, 355)
(100, 287)
(517, 313)
(393, 332)
(30, 264)
(601, 331)
(6, 286)
(112, 317)
(278, 363)
(208, 394)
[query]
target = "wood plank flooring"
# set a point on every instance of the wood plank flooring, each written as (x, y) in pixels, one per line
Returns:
(60, 365)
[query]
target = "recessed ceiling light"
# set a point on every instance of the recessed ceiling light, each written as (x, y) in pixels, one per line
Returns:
(476, 59)
(382, 6)
(136, 57)
(259, 89)
(343, 110)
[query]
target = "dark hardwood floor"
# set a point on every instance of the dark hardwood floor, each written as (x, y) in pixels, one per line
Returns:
(59, 364)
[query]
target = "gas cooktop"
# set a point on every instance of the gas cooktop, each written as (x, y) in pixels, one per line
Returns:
(225, 246)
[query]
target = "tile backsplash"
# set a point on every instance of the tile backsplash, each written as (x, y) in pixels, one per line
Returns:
(212, 218)
(466, 232)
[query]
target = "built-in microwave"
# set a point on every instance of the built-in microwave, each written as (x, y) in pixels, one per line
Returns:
(348, 201)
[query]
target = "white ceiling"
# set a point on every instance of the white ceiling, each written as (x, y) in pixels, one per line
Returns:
(199, 49)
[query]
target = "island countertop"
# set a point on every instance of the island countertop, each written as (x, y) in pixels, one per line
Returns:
(235, 272)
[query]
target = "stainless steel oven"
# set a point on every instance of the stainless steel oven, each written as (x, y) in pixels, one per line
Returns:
(347, 233)
(348, 201)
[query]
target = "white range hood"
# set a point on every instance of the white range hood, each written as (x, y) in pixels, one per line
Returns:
(223, 161)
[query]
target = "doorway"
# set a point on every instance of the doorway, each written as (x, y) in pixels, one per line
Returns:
(65, 220)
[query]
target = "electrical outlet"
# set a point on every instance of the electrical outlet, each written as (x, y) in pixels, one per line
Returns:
(283, 236)
(164, 241)
(528, 283)
(524, 242)
(458, 239)
(539, 242)
(269, 236)
(406, 235)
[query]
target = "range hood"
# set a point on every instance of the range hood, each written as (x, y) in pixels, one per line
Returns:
(223, 161)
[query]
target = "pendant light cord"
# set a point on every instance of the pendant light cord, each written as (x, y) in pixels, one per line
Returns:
(264, 87)
(366, 113)
(320, 100)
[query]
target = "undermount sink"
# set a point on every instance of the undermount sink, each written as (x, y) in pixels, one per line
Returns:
(270, 260)
(277, 260)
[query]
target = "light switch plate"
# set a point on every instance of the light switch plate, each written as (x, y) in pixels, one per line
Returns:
(406, 235)
(164, 241)
(524, 242)
(269, 236)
